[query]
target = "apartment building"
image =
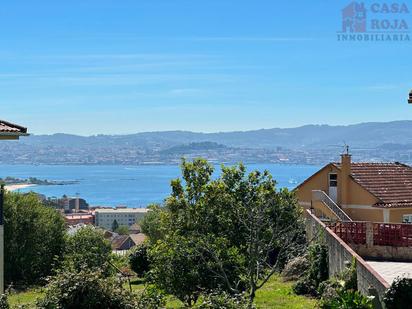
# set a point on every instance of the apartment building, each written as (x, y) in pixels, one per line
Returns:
(105, 217)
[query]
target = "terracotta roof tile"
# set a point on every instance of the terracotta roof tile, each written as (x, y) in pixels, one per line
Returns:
(391, 183)
(7, 127)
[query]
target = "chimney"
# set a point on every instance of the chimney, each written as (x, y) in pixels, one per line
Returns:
(345, 172)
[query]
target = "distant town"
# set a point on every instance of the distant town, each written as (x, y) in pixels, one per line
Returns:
(120, 223)
(313, 144)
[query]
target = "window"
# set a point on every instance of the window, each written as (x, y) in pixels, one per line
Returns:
(333, 180)
(407, 219)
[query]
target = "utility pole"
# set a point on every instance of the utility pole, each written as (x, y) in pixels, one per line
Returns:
(1, 239)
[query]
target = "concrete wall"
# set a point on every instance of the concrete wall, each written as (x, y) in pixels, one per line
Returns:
(386, 253)
(340, 255)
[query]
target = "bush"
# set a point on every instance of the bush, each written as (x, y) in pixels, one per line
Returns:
(347, 299)
(139, 260)
(346, 280)
(399, 295)
(317, 272)
(86, 289)
(304, 286)
(319, 264)
(295, 268)
(34, 238)
(4, 303)
(223, 300)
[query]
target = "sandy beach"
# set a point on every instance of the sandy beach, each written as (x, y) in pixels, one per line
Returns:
(18, 187)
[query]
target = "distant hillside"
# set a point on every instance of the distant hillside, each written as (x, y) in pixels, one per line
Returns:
(310, 136)
(315, 144)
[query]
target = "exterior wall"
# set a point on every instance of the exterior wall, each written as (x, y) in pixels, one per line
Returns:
(395, 215)
(105, 219)
(340, 255)
(4, 137)
(318, 181)
(322, 210)
(385, 253)
(358, 195)
(364, 213)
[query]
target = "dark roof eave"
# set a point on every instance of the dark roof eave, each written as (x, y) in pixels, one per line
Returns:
(14, 134)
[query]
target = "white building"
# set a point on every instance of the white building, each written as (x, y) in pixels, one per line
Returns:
(123, 216)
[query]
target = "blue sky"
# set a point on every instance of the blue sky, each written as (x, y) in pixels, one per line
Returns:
(113, 67)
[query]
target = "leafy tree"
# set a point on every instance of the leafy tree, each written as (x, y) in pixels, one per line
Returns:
(115, 225)
(151, 223)
(187, 266)
(232, 232)
(87, 248)
(34, 238)
(139, 260)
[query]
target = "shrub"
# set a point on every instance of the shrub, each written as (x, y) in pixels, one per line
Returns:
(223, 300)
(139, 260)
(399, 295)
(86, 289)
(295, 268)
(304, 286)
(346, 280)
(319, 265)
(317, 272)
(347, 299)
(87, 247)
(4, 303)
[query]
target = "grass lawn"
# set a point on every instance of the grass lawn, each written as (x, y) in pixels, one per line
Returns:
(275, 294)
(27, 298)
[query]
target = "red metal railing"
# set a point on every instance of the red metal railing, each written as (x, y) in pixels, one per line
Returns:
(351, 232)
(384, 234)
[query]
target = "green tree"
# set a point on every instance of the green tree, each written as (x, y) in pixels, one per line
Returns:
(115, 225)
(34, 238)
(87, 248)
(151, 223)
(233, 232)
(122, 230)
(139, 260)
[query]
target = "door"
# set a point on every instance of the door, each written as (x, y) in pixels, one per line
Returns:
(333, 187)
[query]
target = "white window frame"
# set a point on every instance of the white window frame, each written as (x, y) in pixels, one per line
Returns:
(407, 218)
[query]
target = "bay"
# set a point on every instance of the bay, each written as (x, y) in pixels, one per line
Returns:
(133, 186)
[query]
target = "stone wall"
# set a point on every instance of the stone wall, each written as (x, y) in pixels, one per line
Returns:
(341, 255)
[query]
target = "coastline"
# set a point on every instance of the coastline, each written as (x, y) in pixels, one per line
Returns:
(18, 186)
